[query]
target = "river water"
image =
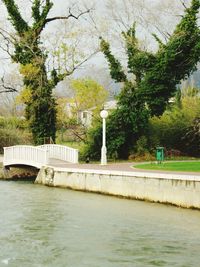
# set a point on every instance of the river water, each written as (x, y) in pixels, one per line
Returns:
(44, 226)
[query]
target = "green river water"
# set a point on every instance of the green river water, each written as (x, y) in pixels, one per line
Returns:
(44, 226)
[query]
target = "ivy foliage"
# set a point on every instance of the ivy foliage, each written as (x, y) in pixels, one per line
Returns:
(154, 78)
(116, 71)
(174, 61)
(157, 74)
(15, 17)
(40, 105)
(124, 126)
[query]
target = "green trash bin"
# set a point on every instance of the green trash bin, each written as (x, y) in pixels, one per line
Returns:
(159, 154)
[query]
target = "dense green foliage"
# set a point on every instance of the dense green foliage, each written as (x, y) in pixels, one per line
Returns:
(13, 122)
(13, 131)
(177, 130)
(191, 138)
(123, 127)
(178, 127)
(154, 81)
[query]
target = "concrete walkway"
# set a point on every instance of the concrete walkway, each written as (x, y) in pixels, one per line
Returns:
(121, 167)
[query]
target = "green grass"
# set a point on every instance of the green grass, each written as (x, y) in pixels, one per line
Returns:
(193, 166)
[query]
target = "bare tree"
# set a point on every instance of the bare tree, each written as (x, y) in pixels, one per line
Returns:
(158, 17)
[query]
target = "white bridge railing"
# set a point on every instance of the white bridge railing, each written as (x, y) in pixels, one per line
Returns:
(28, 155)
(64, 153)
(38, 156)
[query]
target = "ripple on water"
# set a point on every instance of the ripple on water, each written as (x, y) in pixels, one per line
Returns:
(42, 226)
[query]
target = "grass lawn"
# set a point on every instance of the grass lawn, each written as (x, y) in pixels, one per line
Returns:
(193, 166)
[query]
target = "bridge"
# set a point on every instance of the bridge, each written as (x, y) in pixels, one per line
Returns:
(38, 156)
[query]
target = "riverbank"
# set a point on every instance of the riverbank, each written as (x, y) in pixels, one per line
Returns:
(180, 189)
(119, 179)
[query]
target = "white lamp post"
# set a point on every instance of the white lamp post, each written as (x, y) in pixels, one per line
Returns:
(104, 115)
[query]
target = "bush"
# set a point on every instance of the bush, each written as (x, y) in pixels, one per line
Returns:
(142, 145)
(13, 132)
(10, 137)
(13, 122)
(92, 148)
(192, 138)
(144, 157)
(177, 128)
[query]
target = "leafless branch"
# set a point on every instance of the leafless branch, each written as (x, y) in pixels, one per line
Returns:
(74, 67)
(9, 39)
(80, 136)
(71, 15)
(7, 49)
(165, 35)
(94, 24)
(6, 88)
(6, 35)
(183, 4)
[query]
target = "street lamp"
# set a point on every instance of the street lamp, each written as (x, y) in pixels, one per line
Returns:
(104, 115)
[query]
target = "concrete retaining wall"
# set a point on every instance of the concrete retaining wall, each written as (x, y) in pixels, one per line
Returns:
(180, 190)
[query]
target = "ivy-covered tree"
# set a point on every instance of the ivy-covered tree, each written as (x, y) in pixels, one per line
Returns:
(154, 78)
(28, 52)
